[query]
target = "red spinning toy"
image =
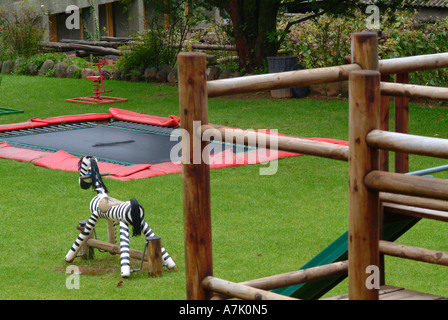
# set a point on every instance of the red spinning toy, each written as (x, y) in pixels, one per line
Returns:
(98, 89)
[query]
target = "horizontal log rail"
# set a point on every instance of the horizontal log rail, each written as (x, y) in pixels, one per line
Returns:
(414, 63)
(308, 77)
(283, 143)
(433, 204)
(413, 91)
(382, 181)
(408, 143)
(413, 253)
(297, 277)
(240, 291)
(282, 80)
(416, 212)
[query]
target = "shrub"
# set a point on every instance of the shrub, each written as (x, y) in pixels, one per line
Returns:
(21, 32)
(162, 40)
(326, 41)
(39, 59)
(152, 48)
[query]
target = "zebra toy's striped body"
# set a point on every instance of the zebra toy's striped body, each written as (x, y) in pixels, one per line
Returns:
(122, 213)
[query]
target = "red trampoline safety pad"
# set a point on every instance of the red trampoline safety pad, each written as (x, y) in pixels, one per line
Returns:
(62, 160)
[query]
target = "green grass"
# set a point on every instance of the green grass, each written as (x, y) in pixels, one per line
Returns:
(262, 225)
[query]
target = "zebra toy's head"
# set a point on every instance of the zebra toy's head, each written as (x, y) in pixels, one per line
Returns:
(89, 174)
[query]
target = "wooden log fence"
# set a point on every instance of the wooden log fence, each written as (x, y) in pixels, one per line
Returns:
(413, 91)
(371, 188)
(391, 182)
(414, 63)
(434, 204)
(240, 291)
(283, 143)
(364, 219)
(414, 211)
(399, 142)
(308, 77)
(196, 177)
(296, 277)
(414, 253)
(282, 80)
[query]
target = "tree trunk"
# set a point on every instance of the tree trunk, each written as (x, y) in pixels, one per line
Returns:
(255, 31)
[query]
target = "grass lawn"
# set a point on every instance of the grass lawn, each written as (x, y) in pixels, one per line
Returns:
(262, 225)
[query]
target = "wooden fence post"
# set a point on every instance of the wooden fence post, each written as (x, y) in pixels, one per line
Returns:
(365, 50)
(155, 264)
(193, 101)
(365, 53)
(364, 220)
(384, 114)
(401, 124)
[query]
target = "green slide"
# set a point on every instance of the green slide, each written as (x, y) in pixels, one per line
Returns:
(338, 251)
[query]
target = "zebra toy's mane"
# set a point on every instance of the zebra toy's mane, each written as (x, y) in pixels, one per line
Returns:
(137, 215)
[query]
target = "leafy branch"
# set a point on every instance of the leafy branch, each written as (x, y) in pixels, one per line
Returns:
(292, 23)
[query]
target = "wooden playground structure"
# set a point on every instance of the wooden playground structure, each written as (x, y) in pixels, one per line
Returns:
(374, 192)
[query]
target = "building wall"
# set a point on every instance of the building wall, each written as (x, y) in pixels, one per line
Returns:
(52, 6)
(112, 20)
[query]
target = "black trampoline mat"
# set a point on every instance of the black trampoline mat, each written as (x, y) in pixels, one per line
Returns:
(107, 143)
(113, 144)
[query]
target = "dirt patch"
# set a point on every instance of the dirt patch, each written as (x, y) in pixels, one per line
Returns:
(90, 270)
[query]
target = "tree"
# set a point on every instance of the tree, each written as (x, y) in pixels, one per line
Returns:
(255, 22)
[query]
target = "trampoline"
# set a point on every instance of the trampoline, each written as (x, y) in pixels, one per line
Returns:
(119, 142)
(110, 143)
(128, 145)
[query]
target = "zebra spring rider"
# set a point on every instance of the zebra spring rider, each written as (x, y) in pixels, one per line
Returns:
(123, 213)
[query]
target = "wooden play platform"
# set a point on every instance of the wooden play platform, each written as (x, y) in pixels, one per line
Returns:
(383, 205)
(396, 293)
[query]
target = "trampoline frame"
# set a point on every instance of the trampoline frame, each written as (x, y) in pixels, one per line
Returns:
(4, 111)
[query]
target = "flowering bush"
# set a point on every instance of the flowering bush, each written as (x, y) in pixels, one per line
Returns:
(326, 41)
(22, 32)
